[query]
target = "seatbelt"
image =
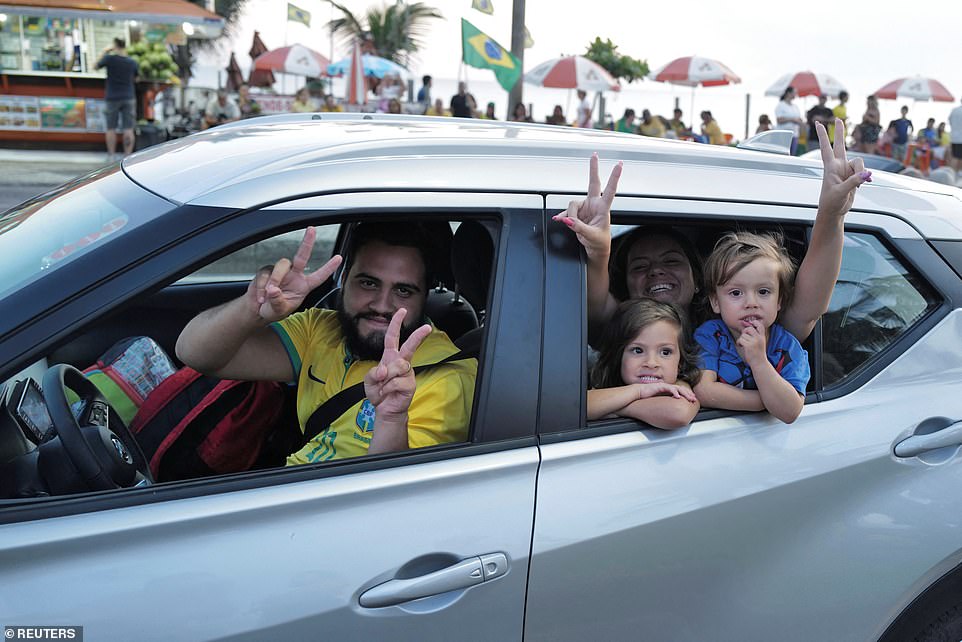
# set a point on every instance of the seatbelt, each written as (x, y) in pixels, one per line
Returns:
(330, 410)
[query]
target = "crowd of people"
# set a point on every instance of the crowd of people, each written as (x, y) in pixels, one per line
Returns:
(936, 141)
(868, 135)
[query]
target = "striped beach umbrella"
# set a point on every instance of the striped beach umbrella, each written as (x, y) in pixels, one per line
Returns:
(294, 59)
(695, 70)
(807, 83)
(356, 81)
(916, 88)
(572, 72)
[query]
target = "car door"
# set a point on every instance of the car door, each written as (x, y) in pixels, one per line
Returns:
(739, 527)
(429, 544)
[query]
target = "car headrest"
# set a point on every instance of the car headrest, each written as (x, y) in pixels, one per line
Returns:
(450, 312)
(472, 256)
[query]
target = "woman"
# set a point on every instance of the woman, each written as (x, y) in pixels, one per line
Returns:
(660, 263)
(489, 112)
(870, 127)
(437, 109)
(520, 114)
(788, 116)
(557, 117)
(394, 106)
(711, 132)
(390, 88)
(303, 102)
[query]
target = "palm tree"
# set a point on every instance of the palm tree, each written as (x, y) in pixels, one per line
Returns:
(396, 30)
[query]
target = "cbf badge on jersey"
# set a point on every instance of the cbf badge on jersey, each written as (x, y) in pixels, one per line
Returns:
(365, 417)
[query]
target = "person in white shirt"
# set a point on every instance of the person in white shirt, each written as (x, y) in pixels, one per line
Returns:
(955, 136)
(221, 109)
(788, 116)
(584, 110)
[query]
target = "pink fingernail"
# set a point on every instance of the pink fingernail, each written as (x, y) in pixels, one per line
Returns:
(865, 175)
(568, 222)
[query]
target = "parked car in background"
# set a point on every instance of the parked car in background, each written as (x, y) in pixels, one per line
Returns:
(842, 526)
(872, 161)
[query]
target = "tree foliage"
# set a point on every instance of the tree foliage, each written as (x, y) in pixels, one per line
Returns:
(230, 11)
(397, 30)
(605, 53)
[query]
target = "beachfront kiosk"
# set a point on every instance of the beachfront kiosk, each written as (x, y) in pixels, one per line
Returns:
(50, 88)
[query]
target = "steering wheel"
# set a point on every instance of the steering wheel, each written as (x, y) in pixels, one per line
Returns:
(99, 444)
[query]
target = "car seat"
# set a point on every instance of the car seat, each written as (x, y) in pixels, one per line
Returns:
(472, 259)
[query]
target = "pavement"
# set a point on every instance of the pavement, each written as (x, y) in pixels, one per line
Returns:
(46, 167)
(25, 173)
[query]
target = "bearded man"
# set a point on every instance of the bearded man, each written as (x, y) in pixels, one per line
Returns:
(377, 336)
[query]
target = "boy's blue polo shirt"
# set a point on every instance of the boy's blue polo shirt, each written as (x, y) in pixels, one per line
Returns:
(720, 354)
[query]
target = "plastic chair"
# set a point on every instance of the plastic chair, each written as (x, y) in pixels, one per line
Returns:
(918, 155)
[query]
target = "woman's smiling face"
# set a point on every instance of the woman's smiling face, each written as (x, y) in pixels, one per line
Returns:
(658, 268)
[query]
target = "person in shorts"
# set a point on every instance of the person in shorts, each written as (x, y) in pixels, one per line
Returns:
(955, 137)
(119, 96)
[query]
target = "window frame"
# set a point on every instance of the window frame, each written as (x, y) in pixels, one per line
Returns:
(905, 243)
(495, 426)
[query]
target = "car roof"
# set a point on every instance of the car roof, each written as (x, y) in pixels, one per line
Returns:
(275, 158)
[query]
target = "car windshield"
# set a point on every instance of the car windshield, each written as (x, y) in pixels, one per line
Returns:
(51, 230)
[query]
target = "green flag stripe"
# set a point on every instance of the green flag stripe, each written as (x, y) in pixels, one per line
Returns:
(481, 51)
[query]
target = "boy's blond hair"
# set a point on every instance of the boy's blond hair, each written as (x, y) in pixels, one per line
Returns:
(735, 250)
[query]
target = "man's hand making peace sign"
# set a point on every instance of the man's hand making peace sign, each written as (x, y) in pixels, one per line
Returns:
(390, 386)
(279, 290)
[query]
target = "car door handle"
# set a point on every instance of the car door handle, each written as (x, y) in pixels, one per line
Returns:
(464, 574)
(915, 445)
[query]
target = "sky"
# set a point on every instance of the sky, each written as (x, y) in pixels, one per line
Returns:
(864, 45)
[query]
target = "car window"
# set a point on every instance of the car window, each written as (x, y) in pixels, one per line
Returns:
(50, 231)
(241, 265)
(136, 345)
(877, 299)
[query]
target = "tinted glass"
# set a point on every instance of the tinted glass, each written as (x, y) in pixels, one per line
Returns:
(242, 264)
(50, 231)
(876, 299)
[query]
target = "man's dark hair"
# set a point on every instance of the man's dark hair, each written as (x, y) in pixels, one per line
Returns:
(843, 95)
(426, 79)
(120, 43)
(429, 239)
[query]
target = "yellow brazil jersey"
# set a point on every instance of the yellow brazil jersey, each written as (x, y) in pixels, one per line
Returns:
(714, 133)
(839, 111)
(439, 413)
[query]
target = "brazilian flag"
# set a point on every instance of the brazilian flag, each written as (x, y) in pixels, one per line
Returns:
(296, 14)
(479, 50)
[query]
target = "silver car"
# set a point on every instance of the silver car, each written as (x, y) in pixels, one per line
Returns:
(846, 525)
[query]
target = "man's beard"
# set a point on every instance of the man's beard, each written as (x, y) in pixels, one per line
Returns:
(370, 348)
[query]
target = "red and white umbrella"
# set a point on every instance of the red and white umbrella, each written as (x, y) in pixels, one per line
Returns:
(695, 70)
(572, 72)
(294, 59)
(917, 88)
(356, 82)
(807, 83)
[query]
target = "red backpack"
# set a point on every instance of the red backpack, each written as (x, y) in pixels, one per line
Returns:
(192, 425)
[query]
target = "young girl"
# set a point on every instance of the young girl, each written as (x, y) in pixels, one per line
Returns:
(646, 367)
